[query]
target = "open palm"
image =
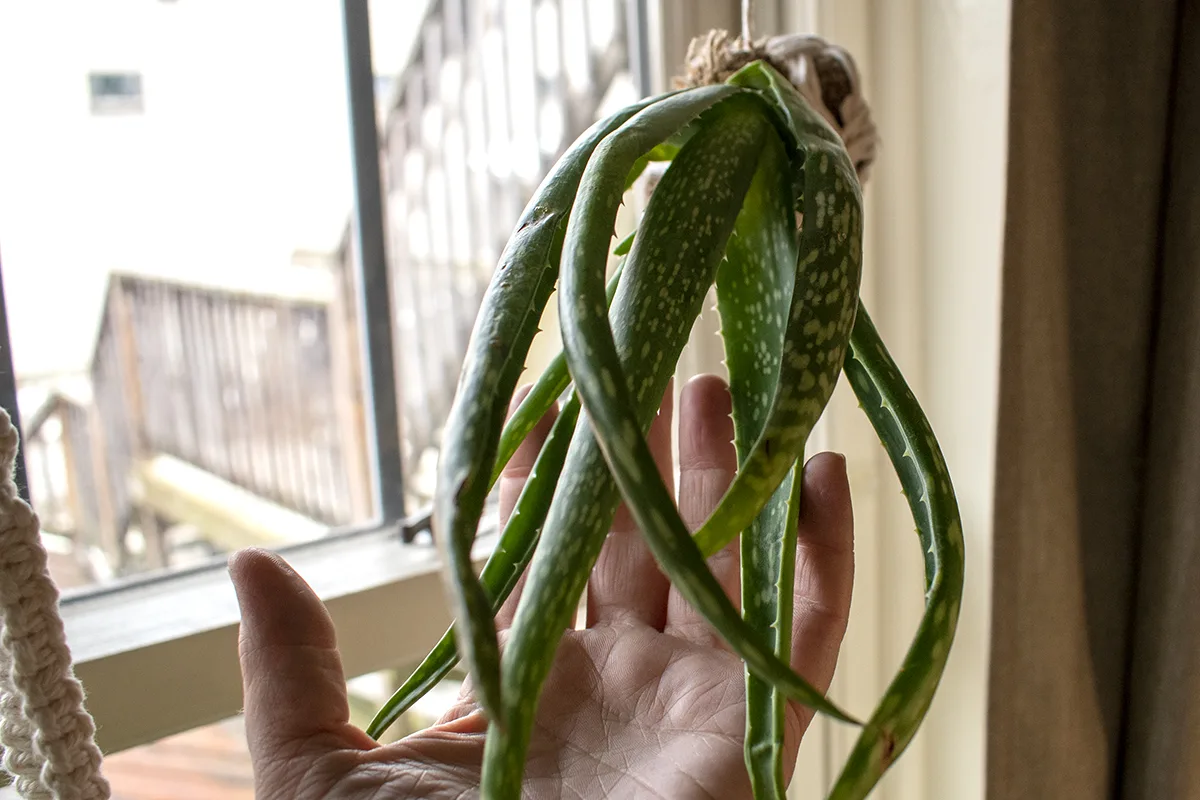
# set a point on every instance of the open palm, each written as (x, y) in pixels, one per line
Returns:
(643, 701)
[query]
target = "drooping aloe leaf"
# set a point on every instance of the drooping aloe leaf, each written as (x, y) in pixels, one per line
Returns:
(824, 301)
(519, 537)
(607, 397)
(546, 389)
(672, 238)
(620, 362)
(503, 568)
(587, 498)
(504, 329)
(917, 459)
(754, 296)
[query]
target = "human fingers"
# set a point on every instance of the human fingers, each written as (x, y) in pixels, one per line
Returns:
(512, 481)
(707, 463)
(294, 689)
(824, 572)
(626, 582)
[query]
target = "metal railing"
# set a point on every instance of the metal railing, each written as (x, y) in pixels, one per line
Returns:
(493, 94)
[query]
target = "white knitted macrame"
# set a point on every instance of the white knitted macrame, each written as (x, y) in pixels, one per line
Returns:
(48, 737)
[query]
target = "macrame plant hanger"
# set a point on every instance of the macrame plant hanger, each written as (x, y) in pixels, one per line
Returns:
(49, 742)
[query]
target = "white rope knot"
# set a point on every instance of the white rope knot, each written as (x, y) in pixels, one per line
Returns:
(48, 737)
(823, 73)
(828, 78)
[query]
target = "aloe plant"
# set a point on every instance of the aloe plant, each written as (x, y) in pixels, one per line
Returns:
(747, 157)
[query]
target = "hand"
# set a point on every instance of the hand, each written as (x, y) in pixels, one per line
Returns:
(645, 701)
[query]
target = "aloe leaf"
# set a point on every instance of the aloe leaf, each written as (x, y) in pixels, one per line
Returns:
(754, 295)
(504, 328)
(587, 496)
(824, 301)
(549, 386)
(501, 572)
(503, 568)
(913, 449)
(706, 196)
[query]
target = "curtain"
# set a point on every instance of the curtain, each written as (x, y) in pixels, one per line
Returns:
(1094, 689)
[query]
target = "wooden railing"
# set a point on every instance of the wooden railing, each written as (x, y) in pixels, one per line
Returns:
(58, 451)
(259, 390)
(247, 388)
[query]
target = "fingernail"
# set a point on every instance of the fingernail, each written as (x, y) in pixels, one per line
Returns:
(842, 468)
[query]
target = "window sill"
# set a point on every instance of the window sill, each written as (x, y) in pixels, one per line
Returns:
(158, 655)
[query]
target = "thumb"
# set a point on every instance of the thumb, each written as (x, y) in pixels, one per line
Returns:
(294, 689)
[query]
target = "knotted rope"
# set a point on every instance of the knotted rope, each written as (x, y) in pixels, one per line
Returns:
(48, 737)
(824, 73)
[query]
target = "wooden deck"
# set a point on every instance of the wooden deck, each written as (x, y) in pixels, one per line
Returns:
(210, 763)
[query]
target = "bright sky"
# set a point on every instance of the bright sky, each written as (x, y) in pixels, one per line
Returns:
(240, 158)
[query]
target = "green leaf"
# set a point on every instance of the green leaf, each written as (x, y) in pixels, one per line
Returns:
(586, 498)
(503, 568)
(913, 449)
(754, 294)
(824, 300)
(707, 185)
(504, 328)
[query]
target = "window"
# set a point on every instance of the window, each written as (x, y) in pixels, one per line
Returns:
(219, 375)
(115, 92)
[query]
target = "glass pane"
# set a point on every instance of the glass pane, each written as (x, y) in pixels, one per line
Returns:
(486, 99)
(175, 198)
(179, 257)
(180, 263)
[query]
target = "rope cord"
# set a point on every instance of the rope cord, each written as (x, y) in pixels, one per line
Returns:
(747, 22)
(48, 737)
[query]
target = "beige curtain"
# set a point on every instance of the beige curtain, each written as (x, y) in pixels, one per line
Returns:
(1095, 683)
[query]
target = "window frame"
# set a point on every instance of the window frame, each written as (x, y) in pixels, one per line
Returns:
(176, 669)
(116, 103)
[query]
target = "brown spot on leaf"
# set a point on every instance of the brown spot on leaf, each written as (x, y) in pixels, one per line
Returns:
(889, 748)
